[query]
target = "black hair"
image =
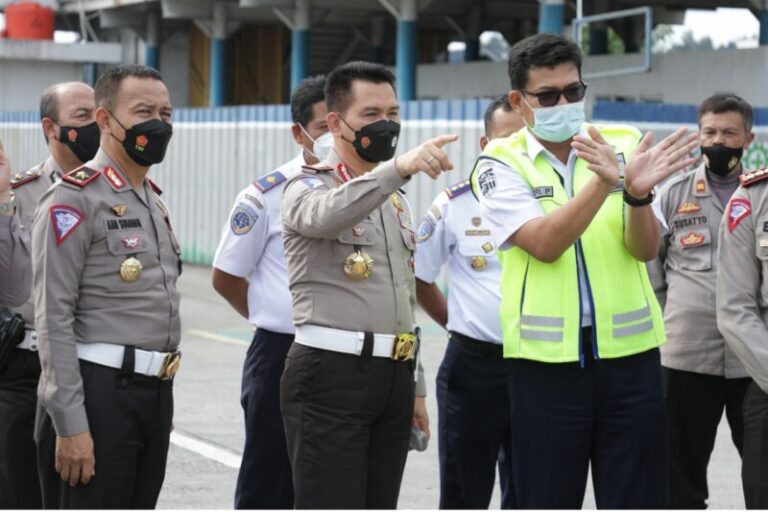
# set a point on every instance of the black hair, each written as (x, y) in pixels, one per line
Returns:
(541, 50)
(108, 84)
(309, 91)
(501, 102)
(727, 102)
(339, 85)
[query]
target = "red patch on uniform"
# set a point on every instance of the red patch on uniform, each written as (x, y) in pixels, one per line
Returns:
(113, 178)
(141, 141)
(131, 242)
(72, 135)
(738, 209)
(692, 240)
(64, 220)
(365, 142)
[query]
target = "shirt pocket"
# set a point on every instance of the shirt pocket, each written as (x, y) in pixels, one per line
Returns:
(476, 252)
(127, 243)
(694, 248)
(362, 235)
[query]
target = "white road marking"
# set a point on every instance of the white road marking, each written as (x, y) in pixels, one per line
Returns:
(206, 450)
(218, 337)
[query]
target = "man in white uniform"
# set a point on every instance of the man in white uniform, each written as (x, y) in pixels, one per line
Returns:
(472, 398)
(249, 271)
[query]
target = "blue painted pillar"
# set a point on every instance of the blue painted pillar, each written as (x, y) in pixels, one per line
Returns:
(218, 70)
(551, 16)
(407, 49)
(764, 25)
(152, 55)
(300, 43)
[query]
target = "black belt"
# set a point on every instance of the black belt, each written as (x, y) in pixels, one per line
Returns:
(483, 347)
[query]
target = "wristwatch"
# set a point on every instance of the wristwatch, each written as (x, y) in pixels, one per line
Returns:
(8, 208)
(634, 202)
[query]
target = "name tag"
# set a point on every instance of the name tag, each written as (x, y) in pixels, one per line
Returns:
(540, 192)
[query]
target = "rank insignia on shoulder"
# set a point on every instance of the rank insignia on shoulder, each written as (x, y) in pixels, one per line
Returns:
(20, 179)
(65, 220)
(269, 181)
(701, 187)
(458, 189)
(752, 177)
(81, 176)
(688, 207)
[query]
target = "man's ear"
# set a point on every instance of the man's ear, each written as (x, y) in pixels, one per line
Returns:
(50, 129)
(515, 100)
(333, 120)
(483, 142)
(750, 140)
(102, 119)
(297, 133)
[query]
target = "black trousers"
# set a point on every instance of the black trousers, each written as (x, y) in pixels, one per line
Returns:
(754, 470)
(609, 413)
(265, 479)
(474, 425)
(19, 482)
(695, 404)
(130, 418)
(347, 421)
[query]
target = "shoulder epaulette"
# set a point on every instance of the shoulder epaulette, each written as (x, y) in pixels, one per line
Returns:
(752, 177)
(314, 169)
(20, 179)
(155, 187)
(269, 181)
(81, 176)
(458, 189)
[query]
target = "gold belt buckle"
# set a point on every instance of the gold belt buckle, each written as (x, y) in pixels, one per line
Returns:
(170, 365)
(404, 347)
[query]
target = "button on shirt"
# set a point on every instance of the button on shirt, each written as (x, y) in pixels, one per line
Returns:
(82, 234)
(453, 231)
(513, 204)
(251, 247)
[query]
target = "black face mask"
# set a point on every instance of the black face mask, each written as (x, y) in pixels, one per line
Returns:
(146, 142)
(721, 159)
(376, 142)
(83, 141)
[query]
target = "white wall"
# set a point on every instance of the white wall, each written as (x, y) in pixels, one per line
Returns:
(22, 82)
(678, 77)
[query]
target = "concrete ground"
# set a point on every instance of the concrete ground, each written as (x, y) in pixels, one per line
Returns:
(209, 434)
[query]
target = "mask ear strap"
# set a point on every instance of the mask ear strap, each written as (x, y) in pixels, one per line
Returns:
(342, 135)
(306, 132)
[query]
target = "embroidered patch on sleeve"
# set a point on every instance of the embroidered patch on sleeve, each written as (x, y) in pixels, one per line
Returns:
(243, 219)
(738, 209)
(65, 219)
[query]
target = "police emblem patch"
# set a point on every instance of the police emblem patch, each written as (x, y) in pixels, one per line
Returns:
(131, 242)
(243, 219)
(426, 229)
(738, 209)
(65, 220)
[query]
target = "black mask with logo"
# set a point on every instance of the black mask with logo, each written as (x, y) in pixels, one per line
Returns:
(83, 141)
(146, 142)
(721, 159)
(376, 142)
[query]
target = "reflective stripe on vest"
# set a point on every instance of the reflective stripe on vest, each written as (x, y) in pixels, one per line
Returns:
(541, 302)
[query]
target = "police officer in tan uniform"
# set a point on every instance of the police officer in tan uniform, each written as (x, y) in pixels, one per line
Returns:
(107, 308)
(15, 268)
(702, 375)
(742, 317)
(347, 393)
(72, 135)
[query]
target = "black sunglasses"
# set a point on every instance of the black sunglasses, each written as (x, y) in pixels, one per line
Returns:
(550, 98)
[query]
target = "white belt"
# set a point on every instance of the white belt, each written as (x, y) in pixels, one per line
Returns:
(30, 341)
(347, 342)
(153, 364)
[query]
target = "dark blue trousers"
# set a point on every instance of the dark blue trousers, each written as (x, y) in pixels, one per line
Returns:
(265, 479)
(473, 424)
(610, 413)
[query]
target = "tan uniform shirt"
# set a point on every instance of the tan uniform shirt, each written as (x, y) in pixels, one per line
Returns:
(742, 288)
(15, 267)
(82, 234)
(685, 276)
(324, 219)
(28, 192)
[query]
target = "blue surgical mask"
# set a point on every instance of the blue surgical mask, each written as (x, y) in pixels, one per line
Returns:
(558, 123)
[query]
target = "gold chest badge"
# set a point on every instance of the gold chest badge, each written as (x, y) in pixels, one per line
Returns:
(479, 262)
(130, 269)
(358, 266)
